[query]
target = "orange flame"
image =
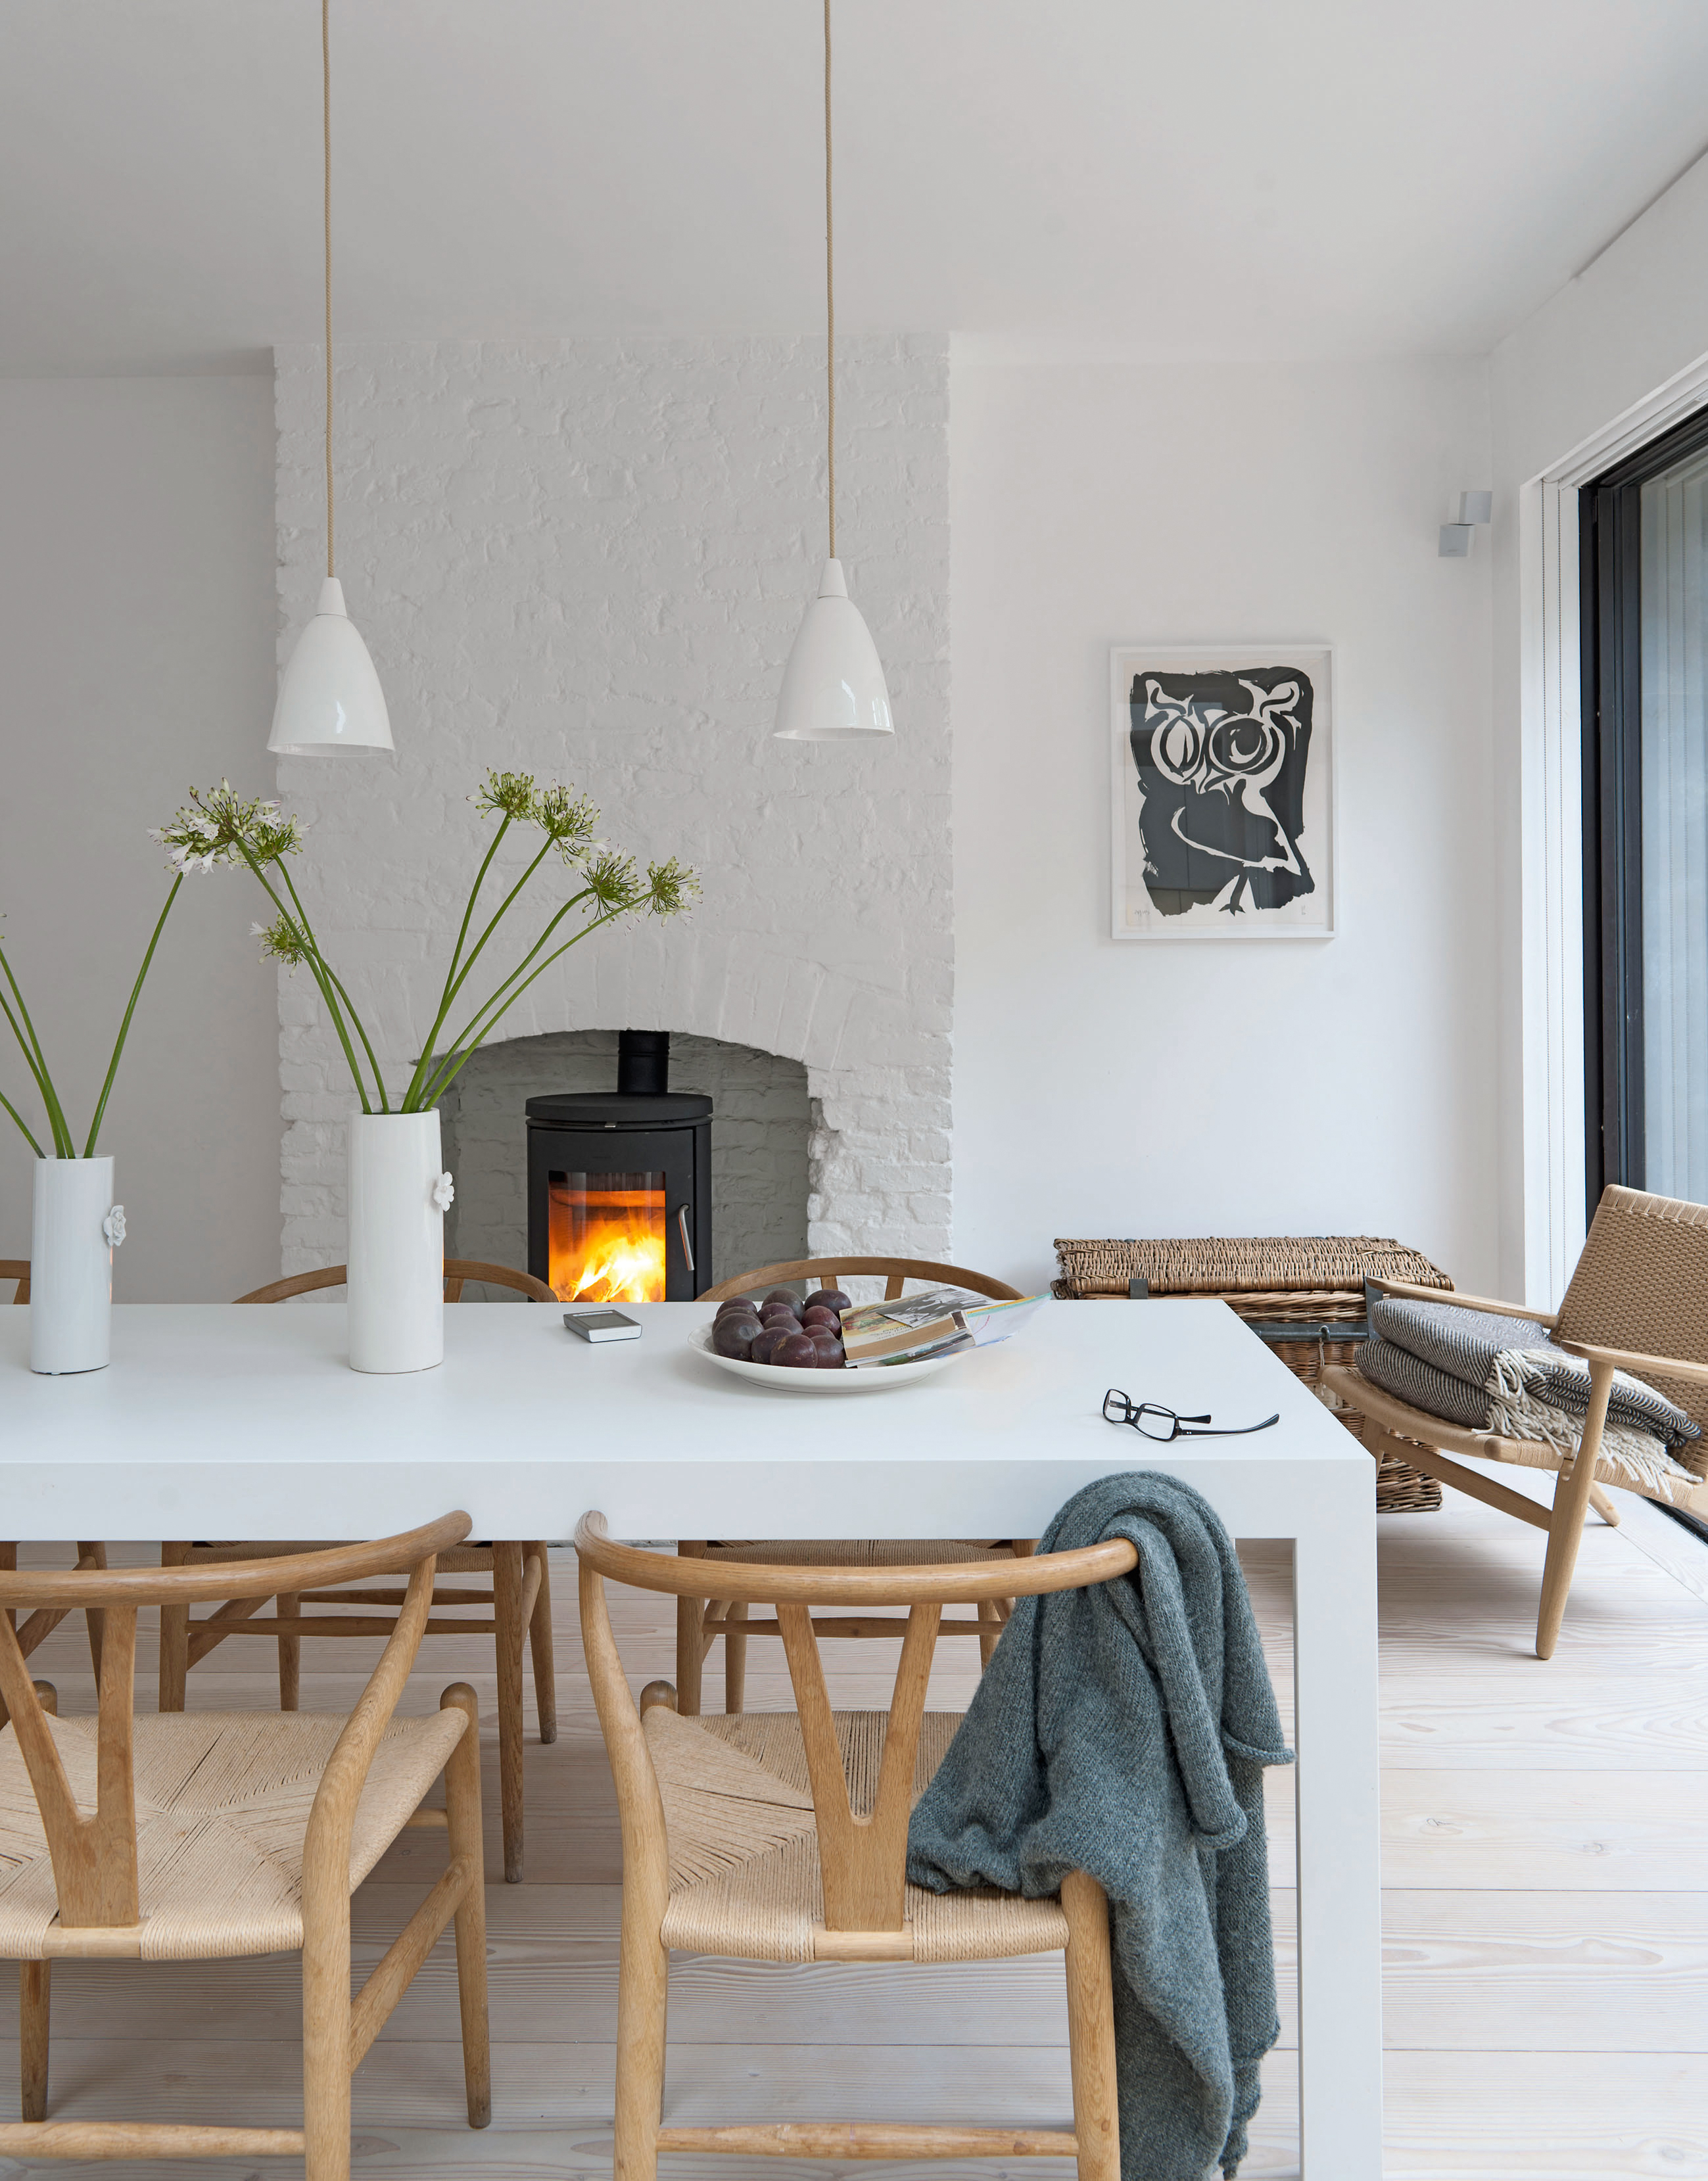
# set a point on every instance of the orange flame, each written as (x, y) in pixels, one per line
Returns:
(606, 1244)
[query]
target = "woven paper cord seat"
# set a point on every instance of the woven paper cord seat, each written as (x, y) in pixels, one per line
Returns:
(743, 1846)
(221, 1807)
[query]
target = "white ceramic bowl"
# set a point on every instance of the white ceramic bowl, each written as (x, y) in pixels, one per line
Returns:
(780, 1380)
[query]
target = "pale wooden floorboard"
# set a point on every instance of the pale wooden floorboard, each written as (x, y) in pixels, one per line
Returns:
(1546, 1845)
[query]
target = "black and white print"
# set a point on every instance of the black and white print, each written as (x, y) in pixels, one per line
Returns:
(1223, 797)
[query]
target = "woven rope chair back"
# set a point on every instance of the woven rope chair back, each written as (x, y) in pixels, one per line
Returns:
(1642, 1285)
(894, 1271)
(861, 1778)
(94, 1854)
(457, 1271)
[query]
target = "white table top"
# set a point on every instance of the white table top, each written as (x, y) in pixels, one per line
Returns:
(216, 1419)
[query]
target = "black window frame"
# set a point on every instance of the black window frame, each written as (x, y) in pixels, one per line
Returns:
(1611, 601)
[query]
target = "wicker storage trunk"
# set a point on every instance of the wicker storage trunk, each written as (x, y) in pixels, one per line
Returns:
(1303, 1293)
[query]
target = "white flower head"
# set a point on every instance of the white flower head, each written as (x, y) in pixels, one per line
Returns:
(113, 1226)
(444, 1193)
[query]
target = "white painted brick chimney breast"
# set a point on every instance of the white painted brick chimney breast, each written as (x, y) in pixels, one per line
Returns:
(588, 559)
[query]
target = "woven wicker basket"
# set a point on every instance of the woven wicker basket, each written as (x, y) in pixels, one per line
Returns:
(1300, 1289)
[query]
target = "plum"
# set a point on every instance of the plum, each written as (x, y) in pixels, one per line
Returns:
(785, 1295)
(768, 1341)
(796, 1351)
(737, 1307)
(831, 1299)
(816, 1314)
(734, 1336)
(775, 1314)
(830, 1350)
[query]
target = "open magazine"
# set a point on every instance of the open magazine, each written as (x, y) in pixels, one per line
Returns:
(935, 1321)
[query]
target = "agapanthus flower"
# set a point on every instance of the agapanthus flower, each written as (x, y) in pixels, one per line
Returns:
(511, 793)
(216, 825)
(283, 941)
(568, 819)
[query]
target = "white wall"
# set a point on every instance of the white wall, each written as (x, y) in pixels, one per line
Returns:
(588, 559)
(1106, 1087)
(1632, 321)
(136, 628)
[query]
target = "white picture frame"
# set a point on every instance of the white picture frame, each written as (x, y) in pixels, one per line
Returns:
(1222, 758)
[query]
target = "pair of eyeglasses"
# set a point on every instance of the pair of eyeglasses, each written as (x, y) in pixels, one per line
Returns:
(1158, 1422)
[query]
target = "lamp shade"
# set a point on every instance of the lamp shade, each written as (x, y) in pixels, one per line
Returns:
(833, 686)
(329, 697)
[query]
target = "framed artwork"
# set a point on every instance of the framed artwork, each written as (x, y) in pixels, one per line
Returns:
(1222, 774)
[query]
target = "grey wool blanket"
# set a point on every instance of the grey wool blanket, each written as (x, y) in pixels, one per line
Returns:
(1122, 1731)
(1489, 1372)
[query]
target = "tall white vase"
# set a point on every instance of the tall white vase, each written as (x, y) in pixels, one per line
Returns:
(398, 1195)
(75, 1228)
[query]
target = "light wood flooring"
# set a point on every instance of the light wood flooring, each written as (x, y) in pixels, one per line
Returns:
(1545, 1846)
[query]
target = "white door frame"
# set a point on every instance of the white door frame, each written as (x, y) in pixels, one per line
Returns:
(1551, 819)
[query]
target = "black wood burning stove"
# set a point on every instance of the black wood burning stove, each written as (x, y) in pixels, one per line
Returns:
(619, 1185)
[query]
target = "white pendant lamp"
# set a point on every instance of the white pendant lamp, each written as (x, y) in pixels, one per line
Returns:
(833, 686)
(329, 696)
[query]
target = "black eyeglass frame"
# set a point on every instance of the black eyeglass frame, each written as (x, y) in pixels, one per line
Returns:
(1182, 1426)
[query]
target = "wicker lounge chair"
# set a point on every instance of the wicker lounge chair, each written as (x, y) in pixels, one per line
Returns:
(1637, 1302)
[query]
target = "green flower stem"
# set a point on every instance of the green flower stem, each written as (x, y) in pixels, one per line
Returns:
(29, 1062)
(495, 998)
(31, 1048)
(124, 1027)
(477, 1028)
(318, 971)
(22, 1124)
(307, 930)
(446, 994)
(452, 988)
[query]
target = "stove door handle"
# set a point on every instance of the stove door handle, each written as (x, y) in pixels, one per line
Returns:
(682, 1229)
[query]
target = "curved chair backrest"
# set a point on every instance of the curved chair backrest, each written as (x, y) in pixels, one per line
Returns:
(896, 1271)
(94, 1856)
(863, 1858)
(17, 1268)
(1642, 1285)
(457, 1271)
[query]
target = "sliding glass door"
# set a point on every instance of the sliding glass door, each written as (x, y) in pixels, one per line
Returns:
(1644, 563)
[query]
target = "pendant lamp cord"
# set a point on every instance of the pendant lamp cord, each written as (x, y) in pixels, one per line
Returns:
(829, 286)
(326, 143)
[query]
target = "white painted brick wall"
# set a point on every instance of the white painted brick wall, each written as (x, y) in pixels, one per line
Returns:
(761, 1121)
(588, 559)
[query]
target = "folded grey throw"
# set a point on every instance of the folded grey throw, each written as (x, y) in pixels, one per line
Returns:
(1122, 1731)
(1488, 1354)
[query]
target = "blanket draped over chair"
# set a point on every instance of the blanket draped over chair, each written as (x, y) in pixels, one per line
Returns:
(1122, 1731)
(1505, 1375)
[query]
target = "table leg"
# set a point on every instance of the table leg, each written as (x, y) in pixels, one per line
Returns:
(1339, 1875)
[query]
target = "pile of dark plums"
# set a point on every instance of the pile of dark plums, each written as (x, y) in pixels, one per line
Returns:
(782, 1329)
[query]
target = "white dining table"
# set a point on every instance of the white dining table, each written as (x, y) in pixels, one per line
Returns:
(225, 1421)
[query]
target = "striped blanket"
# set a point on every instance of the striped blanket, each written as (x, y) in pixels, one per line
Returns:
(1488, 1372)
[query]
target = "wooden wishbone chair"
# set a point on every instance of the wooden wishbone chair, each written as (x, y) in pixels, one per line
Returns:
(206, 1835)
(518, 1604)
(725, 1851)
(701, 1621)
(17, 1268)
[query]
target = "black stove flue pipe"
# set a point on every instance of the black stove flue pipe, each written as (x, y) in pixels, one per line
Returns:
(643, 1063)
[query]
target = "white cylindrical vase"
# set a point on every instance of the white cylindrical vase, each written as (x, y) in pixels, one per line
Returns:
(398, 1194)
(73, 1229)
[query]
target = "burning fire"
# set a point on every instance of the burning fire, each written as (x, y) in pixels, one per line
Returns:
(606, 1244)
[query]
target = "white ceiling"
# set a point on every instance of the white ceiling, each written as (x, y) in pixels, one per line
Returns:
(1282, 177)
